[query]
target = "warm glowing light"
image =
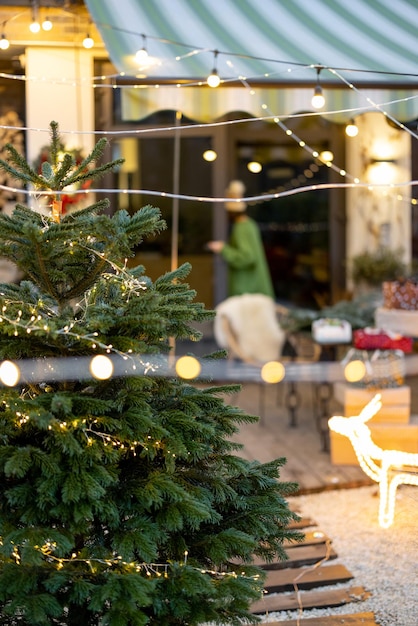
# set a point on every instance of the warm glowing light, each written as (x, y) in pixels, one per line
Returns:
(35, 27)
(141, 55)
(354, 371)
(381, 172)
(4, 43)
(88, 42)
(101, 367)
(389, 468)
(47, 24)
(188, 367)
(9, 373)
(351, 130)
(213, 79)
(254, 167)
(327, 156)
(273, 372)
(318, 100)
(210, 155)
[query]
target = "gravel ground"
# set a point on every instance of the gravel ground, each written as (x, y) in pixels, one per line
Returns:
(383, 561)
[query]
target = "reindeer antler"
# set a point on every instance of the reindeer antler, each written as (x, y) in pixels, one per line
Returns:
(371, 408)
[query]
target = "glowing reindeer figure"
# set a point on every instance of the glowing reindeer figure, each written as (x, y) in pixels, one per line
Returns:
(389, 468)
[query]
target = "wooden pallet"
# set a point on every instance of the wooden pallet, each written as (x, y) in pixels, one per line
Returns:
(357, 619)
(301, 583)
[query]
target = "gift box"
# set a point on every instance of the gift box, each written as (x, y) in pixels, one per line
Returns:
(382, 368)
(331, 330)
(397, 320)
(399, 294)
(378, 339)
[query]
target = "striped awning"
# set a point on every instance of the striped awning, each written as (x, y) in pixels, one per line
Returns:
(357, 45)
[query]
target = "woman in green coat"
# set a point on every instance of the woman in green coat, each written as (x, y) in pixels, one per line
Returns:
(248, 271)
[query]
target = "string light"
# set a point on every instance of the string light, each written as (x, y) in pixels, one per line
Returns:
(4, 42)
(213, 79)
(188, 367)
(101, 367)
(157, 570)
(47, 24)
(34, 26)
(141, 55)
(9, 373)
(351, 130)
(88, 42)
(342, 172)
(318, 100)
(210, 155)
(254, 167)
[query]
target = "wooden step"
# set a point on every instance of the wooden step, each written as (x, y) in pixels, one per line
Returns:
(317, 599)
(305, 578)
(298, 556)
(357, 619)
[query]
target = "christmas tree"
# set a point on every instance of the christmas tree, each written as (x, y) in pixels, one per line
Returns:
(123, 500)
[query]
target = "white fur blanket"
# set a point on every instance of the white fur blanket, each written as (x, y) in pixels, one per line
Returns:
(253, 321)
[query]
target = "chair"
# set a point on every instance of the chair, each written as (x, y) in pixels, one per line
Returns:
(250, 328)
(247, 327)
(389, 468)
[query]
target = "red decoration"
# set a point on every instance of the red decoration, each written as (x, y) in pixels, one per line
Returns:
(377, 339)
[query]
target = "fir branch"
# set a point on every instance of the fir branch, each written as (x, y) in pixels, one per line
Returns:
(55, 143)
(21, 170)
(91, 174)
(60, 172)
(90, 212)
(94, 156)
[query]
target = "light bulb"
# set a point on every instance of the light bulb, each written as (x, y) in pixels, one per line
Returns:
(4, 42)
(318, 99)
(213, 79)
(326, 156)
(34, 27)
(101, 367)
(9, 373)
(254, 167)
(188, 367)
(88, 42)
(47, 24)
(141, 55)
(351, 130)
(210, 155)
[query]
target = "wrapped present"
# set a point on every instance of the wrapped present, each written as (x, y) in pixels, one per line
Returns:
(383, 368)
(378, 339)
(400, 294)
(331, 330)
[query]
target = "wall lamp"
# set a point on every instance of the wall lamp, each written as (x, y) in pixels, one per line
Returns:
(382, 171)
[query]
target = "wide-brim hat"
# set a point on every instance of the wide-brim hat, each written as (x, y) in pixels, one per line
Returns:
(235, 189)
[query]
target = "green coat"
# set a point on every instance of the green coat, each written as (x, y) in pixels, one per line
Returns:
(248, 271)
